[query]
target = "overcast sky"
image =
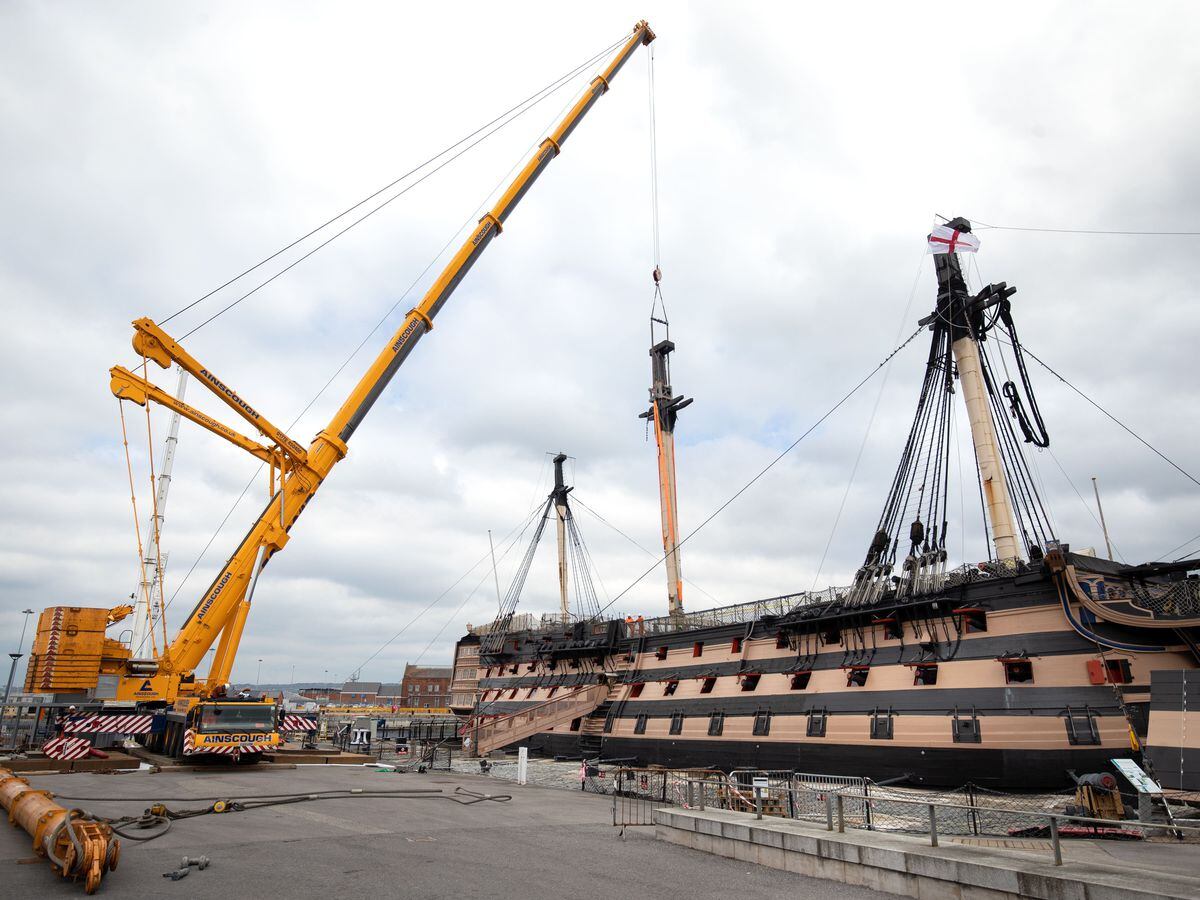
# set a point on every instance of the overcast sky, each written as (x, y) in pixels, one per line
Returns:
(152, 151)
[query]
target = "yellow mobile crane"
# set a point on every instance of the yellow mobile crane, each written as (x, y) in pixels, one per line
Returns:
(72, 656)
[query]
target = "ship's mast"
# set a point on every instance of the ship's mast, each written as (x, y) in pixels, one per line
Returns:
(955, 302)
(664, 409)
(560, 517)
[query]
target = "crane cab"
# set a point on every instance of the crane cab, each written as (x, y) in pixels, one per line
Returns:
(241, 728)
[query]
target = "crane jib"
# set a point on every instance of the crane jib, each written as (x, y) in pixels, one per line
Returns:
(222, 609)
(414, 329)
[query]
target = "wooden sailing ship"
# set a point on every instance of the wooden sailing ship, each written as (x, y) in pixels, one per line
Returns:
(1009, 672)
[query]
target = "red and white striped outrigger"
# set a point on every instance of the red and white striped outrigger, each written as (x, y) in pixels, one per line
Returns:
(67, 747)
(293, 723)
(122, 723)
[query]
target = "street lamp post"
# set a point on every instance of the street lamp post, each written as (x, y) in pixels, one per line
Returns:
(12, 669)
(258, 677)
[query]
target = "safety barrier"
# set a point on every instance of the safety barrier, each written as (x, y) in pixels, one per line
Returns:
(923, 815)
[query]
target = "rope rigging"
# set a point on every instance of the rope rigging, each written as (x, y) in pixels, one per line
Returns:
(919, 493)
(577, 561)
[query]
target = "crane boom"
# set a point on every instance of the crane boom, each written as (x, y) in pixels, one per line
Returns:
(220, 613)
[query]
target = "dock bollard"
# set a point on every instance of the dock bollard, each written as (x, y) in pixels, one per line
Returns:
(933, 835)
(1054, 843)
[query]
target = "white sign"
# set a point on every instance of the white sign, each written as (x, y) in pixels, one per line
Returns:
(1135, 775)
(761, 784)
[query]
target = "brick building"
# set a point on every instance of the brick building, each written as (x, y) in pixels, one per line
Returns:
(426, 686)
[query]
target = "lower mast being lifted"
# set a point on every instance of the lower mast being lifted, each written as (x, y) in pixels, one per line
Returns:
(663, 413)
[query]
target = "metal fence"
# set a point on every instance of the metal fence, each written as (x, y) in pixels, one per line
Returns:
(969, 811)
(847, 802)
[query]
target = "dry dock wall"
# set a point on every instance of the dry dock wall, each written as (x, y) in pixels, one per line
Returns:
(907, 865)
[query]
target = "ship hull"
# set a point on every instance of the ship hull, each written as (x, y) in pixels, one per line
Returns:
(999, 682)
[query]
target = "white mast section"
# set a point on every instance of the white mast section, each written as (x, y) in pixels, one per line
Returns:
(152, 573)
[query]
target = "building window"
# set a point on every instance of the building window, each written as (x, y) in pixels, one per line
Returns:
(1017, 671)
(575, 723)
(669, 688)
(709, 684)
(636, 690)
(925, 674)
(735, 646)
(800, 680)
(677, 723)
(966, 731)
(856, 676)
(832, 636)
(750, 681)
(1081, 728)
(781, 641)
(881, 726)
(660, 653)
(716, 724)
(698, 648)
(639, 726)
(816, 723)
(762, 723)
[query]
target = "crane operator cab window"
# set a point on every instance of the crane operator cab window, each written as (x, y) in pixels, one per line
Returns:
(236, 717)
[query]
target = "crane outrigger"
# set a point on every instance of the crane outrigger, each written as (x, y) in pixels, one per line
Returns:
(99, 669)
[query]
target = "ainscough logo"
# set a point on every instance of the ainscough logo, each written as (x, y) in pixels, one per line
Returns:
(229, 392)
(403, 336)
(213, 595)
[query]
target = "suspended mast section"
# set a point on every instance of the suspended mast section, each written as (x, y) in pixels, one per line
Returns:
(663, 412)
(561, 514)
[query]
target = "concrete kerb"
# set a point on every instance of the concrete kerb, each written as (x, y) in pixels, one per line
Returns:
(904, 864)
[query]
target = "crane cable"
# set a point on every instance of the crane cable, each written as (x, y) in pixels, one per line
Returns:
(155, 532)
(657, 302)
(555, 86)
(511, 115)
(137, 525)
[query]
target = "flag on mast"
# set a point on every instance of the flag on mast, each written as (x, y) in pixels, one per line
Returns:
(944, 239)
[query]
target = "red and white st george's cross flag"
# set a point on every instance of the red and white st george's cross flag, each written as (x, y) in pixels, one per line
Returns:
(944, 239)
